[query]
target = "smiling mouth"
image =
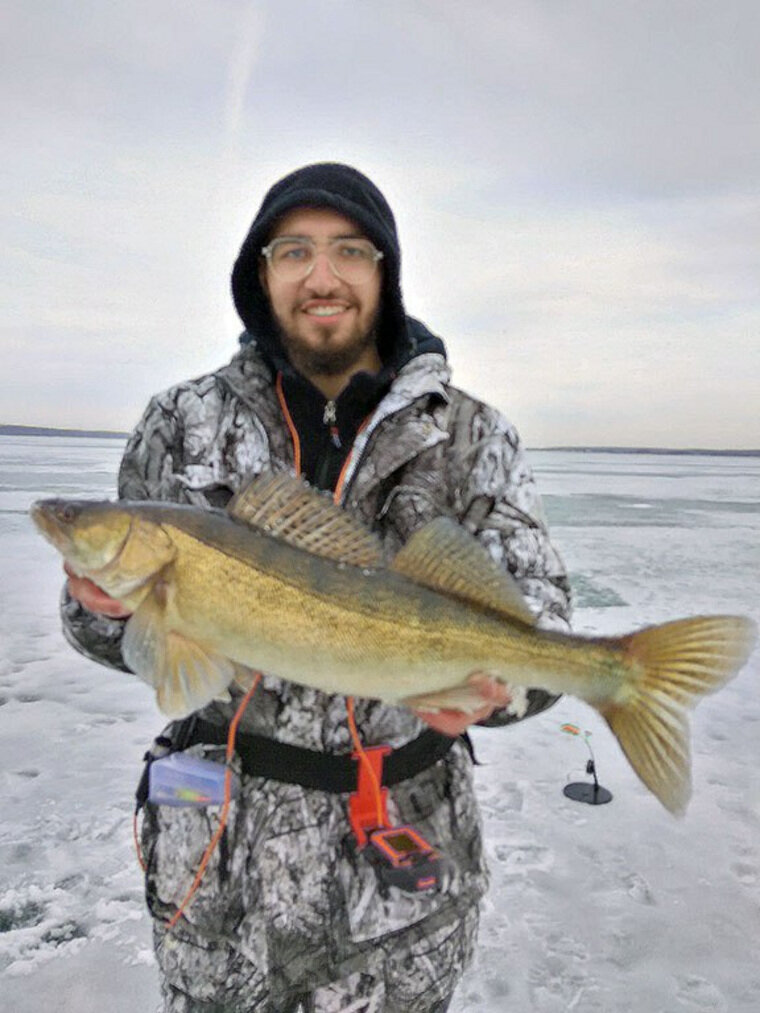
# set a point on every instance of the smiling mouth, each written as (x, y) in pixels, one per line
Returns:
(325, 310)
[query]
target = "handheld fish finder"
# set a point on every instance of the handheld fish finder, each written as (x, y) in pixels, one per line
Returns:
(403, 858)
(400, 855)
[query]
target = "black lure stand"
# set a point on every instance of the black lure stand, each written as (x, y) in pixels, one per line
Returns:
(585, 791)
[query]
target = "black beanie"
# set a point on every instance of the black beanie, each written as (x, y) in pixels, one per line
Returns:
(350, 193)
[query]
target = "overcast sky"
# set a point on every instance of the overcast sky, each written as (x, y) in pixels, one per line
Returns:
(575, 184)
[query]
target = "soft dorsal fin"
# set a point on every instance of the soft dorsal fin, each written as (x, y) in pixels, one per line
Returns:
(287, 508)
(445, 557)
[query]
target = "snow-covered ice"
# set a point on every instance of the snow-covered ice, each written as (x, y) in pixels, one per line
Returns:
(617, 907)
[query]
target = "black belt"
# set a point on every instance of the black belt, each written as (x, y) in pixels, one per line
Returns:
(334, 772)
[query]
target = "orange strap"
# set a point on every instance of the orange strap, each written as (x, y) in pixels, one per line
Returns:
(225, 808)
(344, 470)
(290, 424)
(136, 842)
(367, 806)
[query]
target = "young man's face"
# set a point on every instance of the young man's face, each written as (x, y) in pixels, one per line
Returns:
(327, 324)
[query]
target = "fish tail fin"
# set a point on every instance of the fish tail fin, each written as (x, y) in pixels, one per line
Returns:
(671, 666)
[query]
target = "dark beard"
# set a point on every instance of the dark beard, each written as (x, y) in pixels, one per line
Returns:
(330, 362)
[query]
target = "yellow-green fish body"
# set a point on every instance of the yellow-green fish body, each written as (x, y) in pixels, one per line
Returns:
(289, 584)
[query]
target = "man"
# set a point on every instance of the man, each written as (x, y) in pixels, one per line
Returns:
(336, 383)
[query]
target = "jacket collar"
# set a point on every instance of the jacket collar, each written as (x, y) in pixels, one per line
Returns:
(249, 375)
(422, 380)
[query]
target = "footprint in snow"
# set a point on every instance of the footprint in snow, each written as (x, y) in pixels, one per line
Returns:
(638, 889)
(698, 993)
(558, 987)
(523, 857)
(745, 873)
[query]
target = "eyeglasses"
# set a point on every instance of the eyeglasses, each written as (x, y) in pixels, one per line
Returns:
(292, 259)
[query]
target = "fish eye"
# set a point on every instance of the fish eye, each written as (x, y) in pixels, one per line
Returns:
(67, 513)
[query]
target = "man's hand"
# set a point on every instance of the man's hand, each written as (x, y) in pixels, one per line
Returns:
(493, 693)
(91, 596)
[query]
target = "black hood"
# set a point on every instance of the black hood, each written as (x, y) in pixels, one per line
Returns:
(350, 193)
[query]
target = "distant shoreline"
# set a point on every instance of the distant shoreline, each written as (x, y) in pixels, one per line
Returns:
(682, 451)
(12, 430)
(50, 431)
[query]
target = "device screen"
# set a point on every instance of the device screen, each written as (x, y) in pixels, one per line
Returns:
(402, 843)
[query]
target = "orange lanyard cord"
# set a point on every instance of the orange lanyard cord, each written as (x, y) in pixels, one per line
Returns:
(225, 807)
(290, 424)
(344, 470)
(364, 759)
(138, 849)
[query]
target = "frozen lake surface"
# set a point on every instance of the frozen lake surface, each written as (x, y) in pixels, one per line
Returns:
(614, 908)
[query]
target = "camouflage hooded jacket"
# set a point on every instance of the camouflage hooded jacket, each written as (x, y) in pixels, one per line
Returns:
(428, 449)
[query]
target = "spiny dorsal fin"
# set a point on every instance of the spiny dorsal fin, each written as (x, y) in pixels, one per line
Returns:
(445, 557)
(286, 508)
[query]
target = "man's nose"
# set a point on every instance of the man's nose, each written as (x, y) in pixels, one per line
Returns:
(322, 278)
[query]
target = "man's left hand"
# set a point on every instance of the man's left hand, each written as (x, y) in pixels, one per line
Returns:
(492, 692)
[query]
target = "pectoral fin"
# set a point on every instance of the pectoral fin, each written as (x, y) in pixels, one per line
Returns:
(185, 675)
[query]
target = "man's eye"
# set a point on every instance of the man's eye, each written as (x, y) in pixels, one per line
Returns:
(351, 251)
(292, 253)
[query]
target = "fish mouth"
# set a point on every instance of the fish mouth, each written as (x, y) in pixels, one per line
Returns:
(51, 517)
(41, 513)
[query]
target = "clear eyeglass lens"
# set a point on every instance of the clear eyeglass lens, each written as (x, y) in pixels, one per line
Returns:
(353, 260)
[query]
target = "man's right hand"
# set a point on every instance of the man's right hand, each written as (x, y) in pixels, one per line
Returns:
(93, 598)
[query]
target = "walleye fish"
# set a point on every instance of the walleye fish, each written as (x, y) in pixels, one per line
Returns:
(286, 582)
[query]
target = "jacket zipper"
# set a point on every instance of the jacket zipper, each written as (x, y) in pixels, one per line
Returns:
(330, 419)
(332, 450)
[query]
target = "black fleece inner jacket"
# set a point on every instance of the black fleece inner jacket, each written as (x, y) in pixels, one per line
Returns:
(327, 428)
(324, 441)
